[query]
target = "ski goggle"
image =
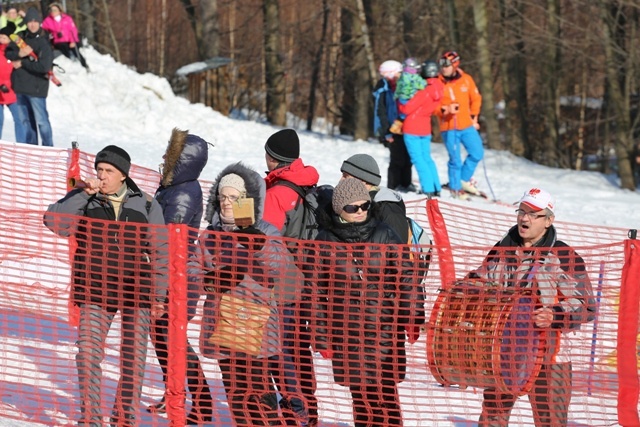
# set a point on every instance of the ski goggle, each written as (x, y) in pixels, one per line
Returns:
(351, 209)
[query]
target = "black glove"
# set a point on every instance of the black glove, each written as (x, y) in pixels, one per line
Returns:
(254, 239)
(223, 279)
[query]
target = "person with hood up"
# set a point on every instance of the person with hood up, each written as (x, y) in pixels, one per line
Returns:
(530, 256)
(119, 266)
(180, 196)
(366, 296)
(245, 266)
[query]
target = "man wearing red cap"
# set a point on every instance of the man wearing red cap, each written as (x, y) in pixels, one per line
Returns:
(531, 257)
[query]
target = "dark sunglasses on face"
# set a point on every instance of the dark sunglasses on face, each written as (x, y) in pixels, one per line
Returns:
(355, 208)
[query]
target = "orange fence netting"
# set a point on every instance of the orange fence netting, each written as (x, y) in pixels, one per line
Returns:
(255, 334)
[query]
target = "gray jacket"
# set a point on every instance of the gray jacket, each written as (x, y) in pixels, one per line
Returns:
(263, 274)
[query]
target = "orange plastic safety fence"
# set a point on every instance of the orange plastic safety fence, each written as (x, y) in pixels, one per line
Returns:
(252, 334)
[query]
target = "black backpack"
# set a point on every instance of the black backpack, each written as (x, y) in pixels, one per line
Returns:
(301, 221)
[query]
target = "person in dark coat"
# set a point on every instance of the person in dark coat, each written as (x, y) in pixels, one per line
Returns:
(30, 79)
(118, 266)
(391, 209)
(242, 263)
(365, 299)
(180, 196)
(385, 113)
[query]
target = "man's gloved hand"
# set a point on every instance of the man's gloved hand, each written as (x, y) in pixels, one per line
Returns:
(413, 333)
(396, 127)
(254, 241)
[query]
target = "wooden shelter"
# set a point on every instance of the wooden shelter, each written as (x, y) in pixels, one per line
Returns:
(208, 83)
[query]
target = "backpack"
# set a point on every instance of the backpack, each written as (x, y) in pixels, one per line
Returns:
(301, 221)
(390, 104)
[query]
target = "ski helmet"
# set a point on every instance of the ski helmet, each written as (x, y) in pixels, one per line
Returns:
(429, 69)
(450, 58)
(390, 69)
(411, 66)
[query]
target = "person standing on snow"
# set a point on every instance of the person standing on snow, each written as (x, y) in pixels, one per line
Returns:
(64, 34)
(180, 196)
(30, 79)
(417, 131)
(458, 115)
(385, 113)
(119, 266)
(530, 256)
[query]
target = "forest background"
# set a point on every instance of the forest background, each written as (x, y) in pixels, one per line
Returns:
(560, 79)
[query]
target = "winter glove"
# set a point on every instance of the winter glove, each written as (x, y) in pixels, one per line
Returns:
(254, 241)
(413, 333)
(396, 127)
(326, 354)
(223, 279)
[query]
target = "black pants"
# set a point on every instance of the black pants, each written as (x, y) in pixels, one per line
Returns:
(376, 405)
(71, 52)
(399, 172)
(196, 381)
(247, 384)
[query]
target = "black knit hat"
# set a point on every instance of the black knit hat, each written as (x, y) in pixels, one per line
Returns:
(283, 146)
(364, 167)
(8, 29)
(32, 15)
(115, 156)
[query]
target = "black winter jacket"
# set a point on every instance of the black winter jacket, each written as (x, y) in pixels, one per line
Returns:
(365, 297)
(32, 79)
(117, 263)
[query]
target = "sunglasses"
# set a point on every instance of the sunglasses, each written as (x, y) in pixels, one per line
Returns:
(355, 208)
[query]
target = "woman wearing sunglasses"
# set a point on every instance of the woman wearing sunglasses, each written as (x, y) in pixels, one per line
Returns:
(365, 298)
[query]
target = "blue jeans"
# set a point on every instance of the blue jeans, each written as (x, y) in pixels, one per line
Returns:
(15, 113)
(419, 148)
(34, 117)
(470, 139)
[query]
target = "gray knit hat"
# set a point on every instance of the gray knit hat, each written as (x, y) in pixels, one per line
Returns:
(364, 167)
(115, 156)
(234, 181)
(32, 15)
(347, 191)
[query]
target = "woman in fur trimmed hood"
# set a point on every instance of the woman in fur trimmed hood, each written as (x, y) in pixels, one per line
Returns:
(249, 264)
(180, 196)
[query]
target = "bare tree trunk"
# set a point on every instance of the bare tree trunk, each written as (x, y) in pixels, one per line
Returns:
(162, 34)
(486, 79)
(276, 102)
(583, 108)
(315, 71)
(615, 74)
(364, 34)
(209, 41)
(514, 77)
(112, 36)
(454, 33)
(87, 23)
(551, 80)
